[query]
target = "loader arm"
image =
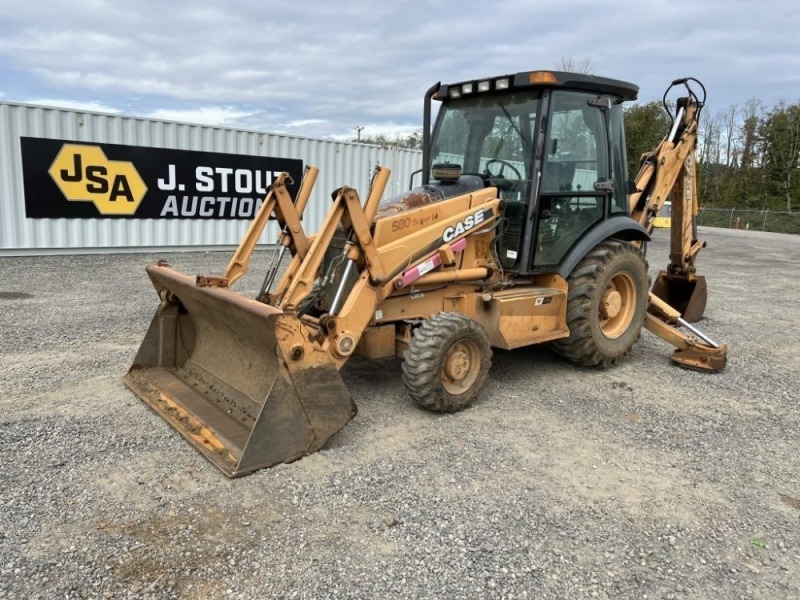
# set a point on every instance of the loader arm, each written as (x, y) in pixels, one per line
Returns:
(380, 254)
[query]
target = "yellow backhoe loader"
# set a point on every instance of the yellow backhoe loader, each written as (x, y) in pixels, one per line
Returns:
(525, 229)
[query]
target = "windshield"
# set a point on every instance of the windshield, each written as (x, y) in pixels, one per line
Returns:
(488, 135)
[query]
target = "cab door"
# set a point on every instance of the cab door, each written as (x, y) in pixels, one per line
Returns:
(576, 186)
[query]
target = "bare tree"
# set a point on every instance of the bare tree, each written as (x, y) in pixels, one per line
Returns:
(750, 181)
(752, 113)
(709, 136)
(583, 64)
(729, 124)
(710, 153)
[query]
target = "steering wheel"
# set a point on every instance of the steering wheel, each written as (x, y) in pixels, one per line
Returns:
(503, 164)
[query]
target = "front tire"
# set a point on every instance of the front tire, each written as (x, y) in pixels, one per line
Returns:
(447, 362)
(606, 304)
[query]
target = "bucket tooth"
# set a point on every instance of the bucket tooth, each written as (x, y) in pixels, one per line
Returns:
(237, 378)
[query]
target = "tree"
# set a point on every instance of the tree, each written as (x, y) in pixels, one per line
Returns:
(749, 132)
(584, 65)
(412, 141)
(729, 127)
(781, 134)
(712, 172)
(749, 180)
(645, 126)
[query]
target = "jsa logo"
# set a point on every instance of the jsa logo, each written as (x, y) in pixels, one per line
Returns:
(467, 223)
(84, 174)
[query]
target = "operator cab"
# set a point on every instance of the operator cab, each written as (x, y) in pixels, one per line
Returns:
(553, 145)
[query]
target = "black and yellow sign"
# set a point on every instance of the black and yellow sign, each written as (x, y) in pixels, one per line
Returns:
(65, 180)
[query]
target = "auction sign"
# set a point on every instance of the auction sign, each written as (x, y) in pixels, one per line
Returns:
(78, 180)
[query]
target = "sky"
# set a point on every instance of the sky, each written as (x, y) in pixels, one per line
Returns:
(322, 68)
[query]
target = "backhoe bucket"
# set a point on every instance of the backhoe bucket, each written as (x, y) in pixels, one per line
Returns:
(688, 297)
(236, 377)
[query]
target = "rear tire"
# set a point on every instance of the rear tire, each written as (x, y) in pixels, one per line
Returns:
(447, 362)
(606, 305)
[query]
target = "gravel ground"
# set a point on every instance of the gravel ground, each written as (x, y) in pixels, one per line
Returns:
(642, 481)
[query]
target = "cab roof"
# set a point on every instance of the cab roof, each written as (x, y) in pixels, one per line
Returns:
(540, 79)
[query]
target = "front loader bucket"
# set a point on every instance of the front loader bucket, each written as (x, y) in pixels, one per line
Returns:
(236, 377)
(688, 297)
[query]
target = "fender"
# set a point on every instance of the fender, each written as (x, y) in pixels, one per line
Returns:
(620, 227)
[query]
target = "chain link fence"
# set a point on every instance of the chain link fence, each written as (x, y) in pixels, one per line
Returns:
(761, 220)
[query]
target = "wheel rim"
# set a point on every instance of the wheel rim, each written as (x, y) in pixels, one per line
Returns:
(617, 305)
(461, 367)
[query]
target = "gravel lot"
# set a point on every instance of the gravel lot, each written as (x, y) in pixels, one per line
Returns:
(643, 481)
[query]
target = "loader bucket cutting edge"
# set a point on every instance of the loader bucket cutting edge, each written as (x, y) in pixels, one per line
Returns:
(687, 297)
(215, 365)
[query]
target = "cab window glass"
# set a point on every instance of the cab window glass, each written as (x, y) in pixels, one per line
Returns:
(576, 151)
(575, 159)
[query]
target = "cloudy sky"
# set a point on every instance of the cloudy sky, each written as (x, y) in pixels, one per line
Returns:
(321, 68)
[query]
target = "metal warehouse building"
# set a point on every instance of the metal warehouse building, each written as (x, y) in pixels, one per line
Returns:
(75, 182)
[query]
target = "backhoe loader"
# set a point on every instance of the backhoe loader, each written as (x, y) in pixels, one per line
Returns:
(525, 230)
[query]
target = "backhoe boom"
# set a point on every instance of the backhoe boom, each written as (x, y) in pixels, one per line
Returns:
(679, 294)
(669, 172)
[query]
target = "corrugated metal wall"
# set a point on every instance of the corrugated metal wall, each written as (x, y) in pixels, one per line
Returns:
(339, 163)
